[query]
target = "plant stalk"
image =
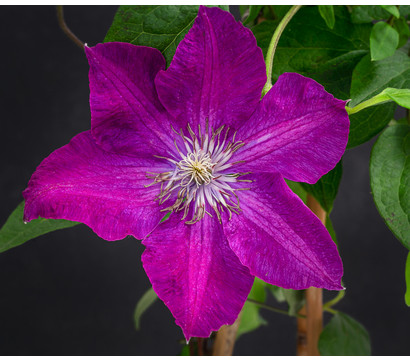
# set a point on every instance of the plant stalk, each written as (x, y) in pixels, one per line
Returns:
(309, 328)
(65, 28)
(274, 43)
(225, 339)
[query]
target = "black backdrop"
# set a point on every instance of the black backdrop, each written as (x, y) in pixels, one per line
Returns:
(71, 293)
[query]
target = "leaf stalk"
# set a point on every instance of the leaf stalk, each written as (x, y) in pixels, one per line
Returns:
(274, 43)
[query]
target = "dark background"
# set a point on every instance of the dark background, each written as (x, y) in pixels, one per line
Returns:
(72, 293)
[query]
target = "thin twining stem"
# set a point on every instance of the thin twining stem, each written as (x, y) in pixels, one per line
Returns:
(274, 43)
(64, 27)
(272, 308)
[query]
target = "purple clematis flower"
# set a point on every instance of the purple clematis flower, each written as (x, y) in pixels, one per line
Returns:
(196, 140)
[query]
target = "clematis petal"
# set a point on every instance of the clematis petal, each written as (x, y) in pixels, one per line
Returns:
(280, 240)
(126, 115)
(194, 271)
(298, 130)
(217, 73)
(82, 182)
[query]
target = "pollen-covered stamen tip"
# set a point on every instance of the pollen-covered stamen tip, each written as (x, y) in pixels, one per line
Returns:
(201, 175)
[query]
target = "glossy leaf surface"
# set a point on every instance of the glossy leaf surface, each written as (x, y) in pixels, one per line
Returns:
(158, 26)
(344, 336)
(390, 179)
(384, 40)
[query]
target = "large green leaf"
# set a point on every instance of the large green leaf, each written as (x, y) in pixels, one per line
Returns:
(390, 179)
(368, 13)
(251, 319)
(325, 190)
(344, 336)
(369, 122)
(143, 305)
(372, 77)
(15, 232)
(307, 46)
(402, 28)
(369, 79)
(384, 40)
(158, 26)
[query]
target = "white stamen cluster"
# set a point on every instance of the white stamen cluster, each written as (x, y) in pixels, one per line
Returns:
(201, 175)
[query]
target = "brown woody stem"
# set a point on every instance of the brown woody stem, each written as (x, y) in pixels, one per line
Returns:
(309, 328)
(225, 339)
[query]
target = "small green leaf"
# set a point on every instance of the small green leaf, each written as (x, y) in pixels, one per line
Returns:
(294, 298)
(143, 304)
(158, 26)
(402, 28)
(327, 13)
(254, 11)
(325, 190)
(251, 319)
(390, 179)
(392, 9)
(15, 232)
(368, 13)
(407, 277)
(399, 96)
(344, 336)
(383, 41)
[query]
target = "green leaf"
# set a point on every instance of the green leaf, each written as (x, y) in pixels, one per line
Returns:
(399, 96)
(404, 10)
(371, 78)
(277, 292)
(402, 28)
(327, 13)
(298, 189)
(407, 277)
(392, 10)
(15, 232)
(158, 26)
(344, 336)
(368, 123)
(143, 304)
(383, 41)
(308, 47)
(294, 298)
(329, 227)
(325, 190)
(254, 11)
(390, 179)
(251, 319)
(368, 13)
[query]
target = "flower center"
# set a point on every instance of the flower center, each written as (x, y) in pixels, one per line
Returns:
(202, 174)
